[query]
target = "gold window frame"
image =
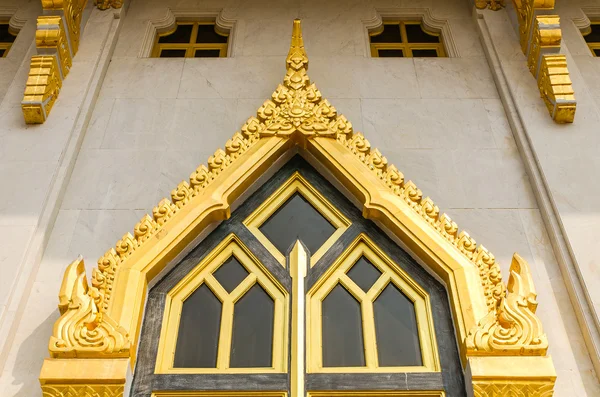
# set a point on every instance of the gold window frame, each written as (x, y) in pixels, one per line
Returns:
(203, 274)
(390, 273)
(592, 45)
(405, 46)
(296, 184)
(94, 342)
(192, 46)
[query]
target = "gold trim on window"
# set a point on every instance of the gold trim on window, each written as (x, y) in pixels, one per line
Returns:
(191, 47)
(390, 273)
(203, 274)
(296, 184)
(406, 47)
(376, 393)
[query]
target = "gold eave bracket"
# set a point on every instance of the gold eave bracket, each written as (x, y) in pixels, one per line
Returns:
(492, 319)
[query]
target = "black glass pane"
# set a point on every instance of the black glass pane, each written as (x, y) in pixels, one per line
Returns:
(390, 34)
(5, 36)
(297, 219)
(252, 340)
(207, 53)
(424, 53)
(597, 52)
(230, 274)
(198, 335)
(416, 34)
(172, 54)
(364, 274)
(207, 34)
(181, 34)
(342, 330)
(2, 51)
(396, 329)
(390, 53)
(594, 36)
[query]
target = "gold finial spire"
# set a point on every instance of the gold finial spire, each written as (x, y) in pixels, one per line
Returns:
(297, 60)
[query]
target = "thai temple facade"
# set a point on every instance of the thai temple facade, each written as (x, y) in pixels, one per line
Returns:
(341, 198)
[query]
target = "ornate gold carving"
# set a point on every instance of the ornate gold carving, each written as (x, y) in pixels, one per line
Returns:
(83, 390)
(83, 330)
(513, 327)
(53, 39)
(540, 37)
(50, 39)
(514, 389)
(43, 85)
(491, 4)
(556, 89)
(106, 4)
(295, 116)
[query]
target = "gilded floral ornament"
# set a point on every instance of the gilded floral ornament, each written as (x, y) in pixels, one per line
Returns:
(83, 330)
(513, 327)
(491, 4)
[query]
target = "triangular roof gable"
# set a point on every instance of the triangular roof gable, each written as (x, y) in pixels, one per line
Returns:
(489, 319)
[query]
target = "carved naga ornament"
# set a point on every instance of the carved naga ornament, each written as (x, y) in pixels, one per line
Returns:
(101, 320)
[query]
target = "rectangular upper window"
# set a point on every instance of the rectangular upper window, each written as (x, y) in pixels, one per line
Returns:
(7, 37)
(405, 39)
(592, 38)
(191, 40)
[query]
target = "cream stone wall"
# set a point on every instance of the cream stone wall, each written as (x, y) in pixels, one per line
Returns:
(114, 145)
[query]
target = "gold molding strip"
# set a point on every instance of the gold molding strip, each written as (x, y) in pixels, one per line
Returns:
(41, 90)
(540, 38)
(486, 312)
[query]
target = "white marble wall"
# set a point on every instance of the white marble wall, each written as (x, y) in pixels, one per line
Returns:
(440, 121)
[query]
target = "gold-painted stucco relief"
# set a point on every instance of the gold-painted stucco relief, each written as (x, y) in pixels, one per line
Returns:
(540, 37)
(58, 35)
(492, 320)
(491, 4)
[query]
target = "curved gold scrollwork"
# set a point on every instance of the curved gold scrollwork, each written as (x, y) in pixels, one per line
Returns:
(83, 330)
(513, 327)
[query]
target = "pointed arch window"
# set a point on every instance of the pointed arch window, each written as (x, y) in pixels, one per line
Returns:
(244, 311)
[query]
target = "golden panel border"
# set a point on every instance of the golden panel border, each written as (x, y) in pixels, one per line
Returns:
(390, 274)
(376, 393)
(203, 274)
(296, 184)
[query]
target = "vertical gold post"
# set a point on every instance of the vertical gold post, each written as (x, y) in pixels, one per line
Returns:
(298, 264)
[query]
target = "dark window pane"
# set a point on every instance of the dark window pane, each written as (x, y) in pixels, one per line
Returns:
(390, 53)
(5, 36)
(172, 54)
(342, 330)
(207, 53)
(396, 329)
(198, 335)
(181, 35)
(597, 52)
(364, 274)
(230, 274)
(424, 53)
(416, 34)
(594, 36)
(207, 34)
(252, 340)
(297, 219)
(2, 51)
(390, 34)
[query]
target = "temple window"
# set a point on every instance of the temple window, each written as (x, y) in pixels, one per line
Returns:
(405, 39)
(592, 38)
(7, 38)
(192, 40)
(297, 291)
